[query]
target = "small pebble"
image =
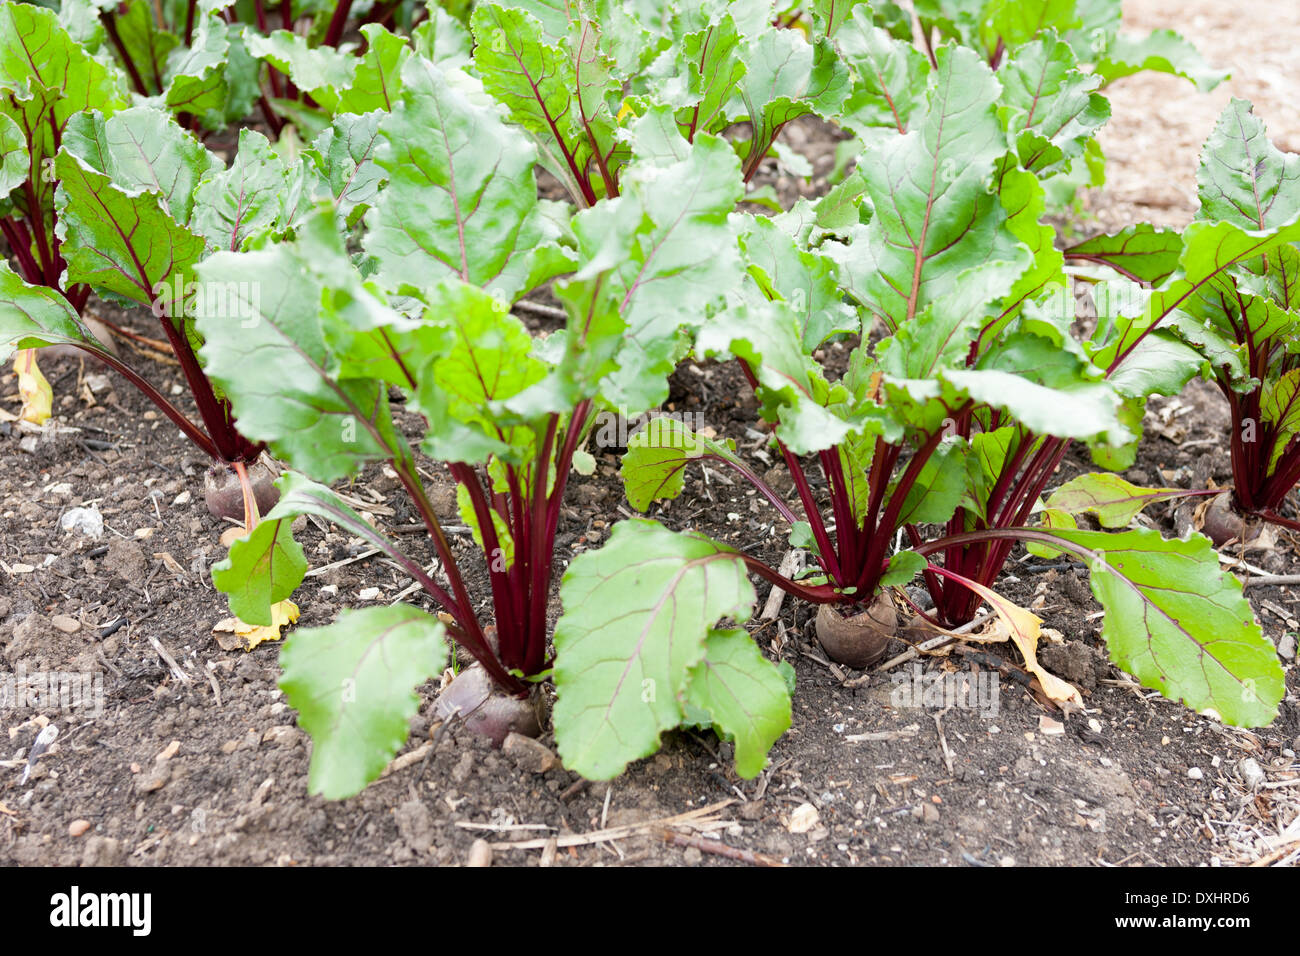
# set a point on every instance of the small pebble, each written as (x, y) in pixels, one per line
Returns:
(1195, 773)
(77, 827)
(528, 754)
(1252, 775)
(68, 625)
(480, 854)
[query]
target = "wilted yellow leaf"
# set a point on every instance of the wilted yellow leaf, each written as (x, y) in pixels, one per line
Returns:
(33, 389)
(1023, 628)
(248, 636)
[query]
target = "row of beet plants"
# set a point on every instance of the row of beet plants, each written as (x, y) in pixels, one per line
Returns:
(370, 251)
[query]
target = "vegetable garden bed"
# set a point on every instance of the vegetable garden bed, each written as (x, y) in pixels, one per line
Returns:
(866, 772)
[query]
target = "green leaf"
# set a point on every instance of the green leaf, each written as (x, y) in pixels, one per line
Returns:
(1017, 22)
(938, 489)
(443, 39)
(653, 262)
(13, 156)
(262, 569)
(236, 203)
(1279, 406)
(1049, 389)
(378, 77)
(353, 685)
(1161, 51)
(125, 197)
(793, 389)
(265, 567)
(486, 361)
(1180, 625)
(786, 77)
(461, 198)
(744, 695)
(465, 505)
(701, 77)
(42, 92)
(269, 347)
(343, 156)
(935, 221)
(1144, 252)
(829, 15)
(903, 566)
(1243, 178)
(889, 77)
(1113, 500)
(216, 78)
(322, 71)
(657, 455)
(805, 280)
(1050, 108)
(32, 316)
(622, 666)
(559, 91)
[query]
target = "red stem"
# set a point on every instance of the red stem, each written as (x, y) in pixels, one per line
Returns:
(338, 22)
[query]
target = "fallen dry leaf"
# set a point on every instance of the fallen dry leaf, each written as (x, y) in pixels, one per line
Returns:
(170, 563)
(33, 389)
(248, 636)
(803, 818)
(1023, 628)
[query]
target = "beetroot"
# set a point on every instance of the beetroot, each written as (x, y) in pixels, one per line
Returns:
(488, 710)
(1221, 522)
(861, 640)
(225, 496)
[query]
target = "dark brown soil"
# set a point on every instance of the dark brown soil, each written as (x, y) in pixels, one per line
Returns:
(212, 769)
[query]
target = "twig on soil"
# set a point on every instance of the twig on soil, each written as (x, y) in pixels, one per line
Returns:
(1276, 855)
(99, 652)
(776, 597)
(943, 741)
(503, 827)
(540, 310)
(834, 668)
(361, 556)
(1271, 580)
(170, 661)
(718, 848)
(212, 679)
(1243, 564)
(574, 789)
(700, 818)
(408, 758)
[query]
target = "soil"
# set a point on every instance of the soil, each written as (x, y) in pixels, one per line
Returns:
(197, 759)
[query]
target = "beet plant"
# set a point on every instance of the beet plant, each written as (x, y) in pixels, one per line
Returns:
(1245, 320)
(455, 237)
(39, 96)
(936, 443)
(135, 203)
